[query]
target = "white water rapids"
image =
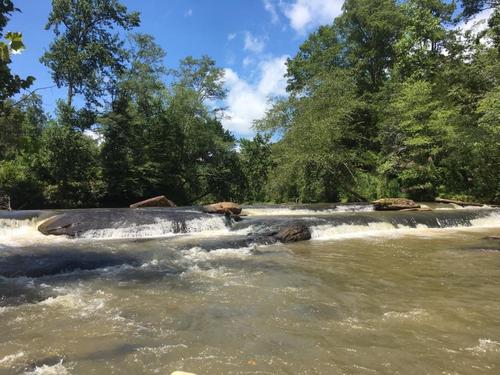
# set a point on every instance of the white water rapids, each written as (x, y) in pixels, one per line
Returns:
(154, 291)
(333, 225)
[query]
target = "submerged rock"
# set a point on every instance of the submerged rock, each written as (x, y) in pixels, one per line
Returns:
(223, 208)
(293, 233)
(394, 204)
(59, 226)
(160, 201)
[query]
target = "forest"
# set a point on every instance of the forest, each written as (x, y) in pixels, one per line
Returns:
(392, 99)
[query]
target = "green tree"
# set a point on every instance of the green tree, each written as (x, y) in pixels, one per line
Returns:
(68, 164)
(420, 49)
(317, 158)
(483, 156)
(319, 53)
(256, 163)
(21, 127)
(369, 31)
(414, 132)
(135, 132)
(10, 84)
(85, 55)
(202, 76)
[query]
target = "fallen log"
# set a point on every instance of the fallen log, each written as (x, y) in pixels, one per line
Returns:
(460, 203)
(222, 208)
(160, 201)
(394, 204)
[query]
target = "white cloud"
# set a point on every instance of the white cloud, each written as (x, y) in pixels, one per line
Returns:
(271, 8)
(253, 43)
(478, 23)
(248, 101)
(305, 15)
(94, 135)
(247, 61)
(188, 13)
(272, 80)
(231, 36)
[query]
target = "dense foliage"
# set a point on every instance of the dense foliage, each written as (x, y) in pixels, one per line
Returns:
(392, 99)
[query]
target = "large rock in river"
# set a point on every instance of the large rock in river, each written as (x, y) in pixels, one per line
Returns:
(160, 201)
(223, 208)
(394, 204)
(294, 233)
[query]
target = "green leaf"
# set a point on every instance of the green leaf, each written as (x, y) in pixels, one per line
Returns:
(4, 52)
(16, 41)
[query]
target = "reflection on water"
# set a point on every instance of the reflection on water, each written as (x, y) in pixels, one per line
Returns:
(417, 301)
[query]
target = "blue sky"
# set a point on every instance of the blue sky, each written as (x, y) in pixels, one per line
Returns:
(250, 39)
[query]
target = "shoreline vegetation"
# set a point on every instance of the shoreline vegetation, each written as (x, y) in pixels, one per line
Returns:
(393, 99)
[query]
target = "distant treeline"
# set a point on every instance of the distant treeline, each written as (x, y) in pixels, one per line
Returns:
(392, 99)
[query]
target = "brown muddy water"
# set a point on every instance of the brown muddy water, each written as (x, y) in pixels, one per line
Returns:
(371, 293)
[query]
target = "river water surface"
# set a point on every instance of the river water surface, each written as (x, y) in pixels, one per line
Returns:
(371, 293)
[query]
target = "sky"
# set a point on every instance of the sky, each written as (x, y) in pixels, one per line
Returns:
(249, 39)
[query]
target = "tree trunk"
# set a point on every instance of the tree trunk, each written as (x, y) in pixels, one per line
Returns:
(460, 203)
(70, 94)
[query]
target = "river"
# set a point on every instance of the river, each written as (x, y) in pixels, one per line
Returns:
(158, 290)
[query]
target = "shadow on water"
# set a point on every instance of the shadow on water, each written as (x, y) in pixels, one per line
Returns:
(55, 262)
(25, 272)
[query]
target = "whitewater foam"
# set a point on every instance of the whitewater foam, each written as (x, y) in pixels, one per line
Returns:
(490, 221)
(484, 346)
(15, 232)
(57, 369)
(11, 359)
(327, 232)
(75, 300)
(415, 314)
(285, 211)
(161, 228)
(345, 231)
(197, 254)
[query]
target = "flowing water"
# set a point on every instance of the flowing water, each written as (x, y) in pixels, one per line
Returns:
(153, 291)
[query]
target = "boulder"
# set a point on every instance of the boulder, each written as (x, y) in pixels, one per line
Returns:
(223, 208)
(394, 204)
(160, 201)
(294, 233)
(59, 225)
